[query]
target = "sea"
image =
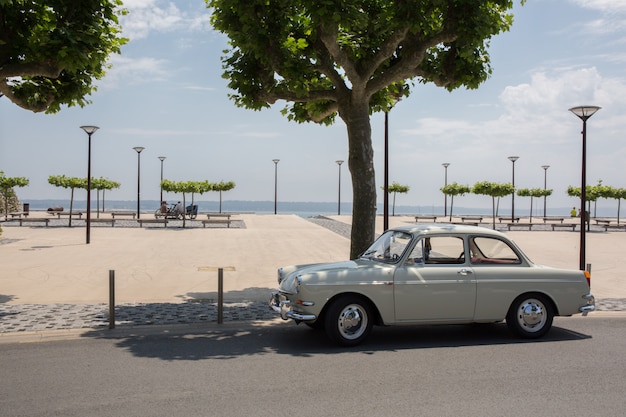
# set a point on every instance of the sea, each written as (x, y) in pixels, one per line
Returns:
(299, 208)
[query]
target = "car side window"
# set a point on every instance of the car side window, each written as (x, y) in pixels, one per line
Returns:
(489, 250)
(439, 250)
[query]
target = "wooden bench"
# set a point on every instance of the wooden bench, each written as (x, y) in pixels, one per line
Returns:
(431, 218)
(614, 226)
(528, 225)
(32, 220)
(217, 221)
(123, 213)
(553, 219)
(472, 219)
(78, 214)
(515, 219)
(18, 214)
(112, 221)
(159, 221)
(218, 215)
(603, 222)
(563, 225)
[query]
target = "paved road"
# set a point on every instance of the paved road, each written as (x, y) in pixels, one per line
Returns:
(576, 370)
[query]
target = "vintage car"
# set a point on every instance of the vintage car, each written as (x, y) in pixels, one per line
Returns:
(431, 274)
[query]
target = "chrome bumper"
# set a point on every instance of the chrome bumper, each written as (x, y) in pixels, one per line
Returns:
(281, 305)
(591, 304)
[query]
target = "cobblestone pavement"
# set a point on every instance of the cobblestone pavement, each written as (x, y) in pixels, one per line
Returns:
(41, 317)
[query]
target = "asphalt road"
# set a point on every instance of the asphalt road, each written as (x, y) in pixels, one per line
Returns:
(578, 369)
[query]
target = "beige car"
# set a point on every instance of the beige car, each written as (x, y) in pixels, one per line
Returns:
(431, 274)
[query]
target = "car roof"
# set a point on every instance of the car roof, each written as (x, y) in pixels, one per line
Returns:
(443, 228)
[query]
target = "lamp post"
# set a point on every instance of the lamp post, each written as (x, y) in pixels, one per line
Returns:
(275, 183)
(386, 176)
(138, 149)
(445, 182)
(513, 159)
(584, 113)
(339, 162)
(161, 158)
(90, 130)
(545, 186)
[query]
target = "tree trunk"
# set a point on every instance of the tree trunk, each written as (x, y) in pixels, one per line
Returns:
(361, 165)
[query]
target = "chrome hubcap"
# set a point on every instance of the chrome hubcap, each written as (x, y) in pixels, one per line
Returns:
(352, 321)
(531, 315)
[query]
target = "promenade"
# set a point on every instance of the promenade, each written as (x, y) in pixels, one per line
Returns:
(50, 279)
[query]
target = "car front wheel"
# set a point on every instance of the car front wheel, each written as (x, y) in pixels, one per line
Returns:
(348, 320)
(530, 316)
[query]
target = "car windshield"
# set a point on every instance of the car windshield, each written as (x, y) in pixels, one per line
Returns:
(389, 247)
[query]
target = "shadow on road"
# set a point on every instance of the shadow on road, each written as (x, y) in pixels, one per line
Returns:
(230, 342)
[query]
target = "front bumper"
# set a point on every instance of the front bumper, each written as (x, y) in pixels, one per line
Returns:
(281, 305)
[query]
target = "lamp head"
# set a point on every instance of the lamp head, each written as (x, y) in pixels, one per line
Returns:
(139, 148)
(584, 112)
(89, 129)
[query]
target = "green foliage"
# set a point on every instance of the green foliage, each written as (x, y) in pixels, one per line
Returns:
(455, 189)
(104, 184)
(7, 194)
(51, 51)
(398, 188)
(494, 190)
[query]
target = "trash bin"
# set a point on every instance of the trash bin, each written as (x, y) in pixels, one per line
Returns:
(26, 207)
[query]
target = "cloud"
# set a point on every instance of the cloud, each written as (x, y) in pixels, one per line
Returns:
(134, 71)
(147, 16)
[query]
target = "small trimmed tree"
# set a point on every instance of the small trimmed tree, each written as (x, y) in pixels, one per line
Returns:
(183, 187)
(533, 192)
(103, 184)
(71, 183)
(6, 190)
(223, 186)
(396, 188)
(494, 190)
(452, 190)
(618, 194)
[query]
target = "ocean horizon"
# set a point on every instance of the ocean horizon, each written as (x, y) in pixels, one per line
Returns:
(300, 208)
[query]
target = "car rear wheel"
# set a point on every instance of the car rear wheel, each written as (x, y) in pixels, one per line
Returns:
(348, 320)
(530, 316)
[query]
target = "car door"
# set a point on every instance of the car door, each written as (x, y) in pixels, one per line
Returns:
(436, 283)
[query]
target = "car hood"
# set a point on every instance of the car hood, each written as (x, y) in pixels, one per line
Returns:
(288, 284)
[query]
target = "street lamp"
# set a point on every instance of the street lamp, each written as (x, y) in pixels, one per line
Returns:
(161, 158)
(545, 186)
(138, 149)
(445, 182)
(584, 113)
(275, 182)
(339, 162)
(513, 159)
(90, 130)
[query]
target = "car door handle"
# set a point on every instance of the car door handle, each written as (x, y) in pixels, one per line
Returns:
(464, 271)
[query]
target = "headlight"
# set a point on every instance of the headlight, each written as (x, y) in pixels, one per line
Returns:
(281, 275)
(298, 283)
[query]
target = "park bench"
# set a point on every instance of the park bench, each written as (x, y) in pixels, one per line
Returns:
(32, 220)
(123, 213)
(553, 219)
(516, 225)
(152, 221)
(563, 225)
(515, 219)
(112, 221)
(471, 219)
(78, 214)
(217, 221)
(603, 222)
(218, 215)
(430, 218)
(18, 214)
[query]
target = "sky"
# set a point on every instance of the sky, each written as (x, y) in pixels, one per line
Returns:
(165, 93)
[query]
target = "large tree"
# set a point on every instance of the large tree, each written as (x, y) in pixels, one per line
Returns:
(51, 51)
(352, 58)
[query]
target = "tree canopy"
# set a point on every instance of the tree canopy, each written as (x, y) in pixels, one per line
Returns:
(494, 190)
(454, 189)
(329, 58)
(51, 51)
